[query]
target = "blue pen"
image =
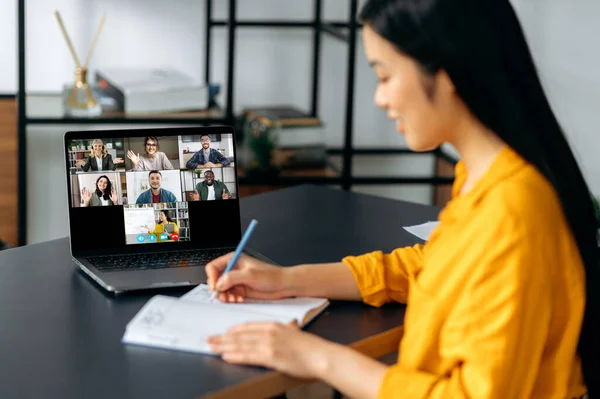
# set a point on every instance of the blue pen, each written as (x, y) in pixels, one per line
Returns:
(237, 253)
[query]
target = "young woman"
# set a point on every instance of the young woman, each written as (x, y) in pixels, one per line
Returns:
(164, 219)
(154, 159)
(502, 301)
(99, 159)
(104, 195)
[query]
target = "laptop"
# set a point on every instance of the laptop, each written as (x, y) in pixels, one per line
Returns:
(132, 224)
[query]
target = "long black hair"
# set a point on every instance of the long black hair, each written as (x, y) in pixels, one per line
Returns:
(482, 48)
(166, 213)
(107, 190)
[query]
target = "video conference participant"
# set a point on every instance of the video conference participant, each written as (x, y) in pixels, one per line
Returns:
(161, 227)
(99, 159)
(207, 157)
(211, 189)
(155, 193)
(104, 195)
(153, 160)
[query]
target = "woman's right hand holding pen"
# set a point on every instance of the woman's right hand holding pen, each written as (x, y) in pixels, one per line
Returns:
(287, 348)
(250, 278)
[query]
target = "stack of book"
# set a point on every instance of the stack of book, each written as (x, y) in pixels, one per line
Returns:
(152, 91)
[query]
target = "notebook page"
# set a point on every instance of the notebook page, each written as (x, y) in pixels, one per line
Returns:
(296, 308)
(170, 323)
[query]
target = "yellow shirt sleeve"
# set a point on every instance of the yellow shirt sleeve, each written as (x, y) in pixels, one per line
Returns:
(383, 277)
(504, 325)
(158, 229)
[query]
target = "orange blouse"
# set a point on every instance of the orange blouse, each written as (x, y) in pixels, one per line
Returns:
(495, 298)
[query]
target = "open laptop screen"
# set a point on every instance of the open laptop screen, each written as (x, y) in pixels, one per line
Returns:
(172, 187)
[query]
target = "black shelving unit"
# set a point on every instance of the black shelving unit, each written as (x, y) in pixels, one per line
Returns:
(344, 31)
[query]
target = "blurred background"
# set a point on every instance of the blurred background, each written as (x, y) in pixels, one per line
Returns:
(290, 73)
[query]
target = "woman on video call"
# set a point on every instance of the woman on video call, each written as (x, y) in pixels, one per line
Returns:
(163, 220)
(104, 195)
(99, 159)
(153, 160)
(502, 301)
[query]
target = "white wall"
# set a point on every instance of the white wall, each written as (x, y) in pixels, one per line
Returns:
(9, 56)
(271, 66)
(563, 37)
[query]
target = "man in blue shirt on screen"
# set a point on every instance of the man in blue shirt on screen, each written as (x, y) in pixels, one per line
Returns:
(207, 157)
(155, 194)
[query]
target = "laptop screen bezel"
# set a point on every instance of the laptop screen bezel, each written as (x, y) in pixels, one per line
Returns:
(234, 232)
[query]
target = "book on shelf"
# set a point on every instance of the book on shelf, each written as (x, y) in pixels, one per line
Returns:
(184, 324)
(140, 91)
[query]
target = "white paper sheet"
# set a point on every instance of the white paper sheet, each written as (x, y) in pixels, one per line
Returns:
(423, 231)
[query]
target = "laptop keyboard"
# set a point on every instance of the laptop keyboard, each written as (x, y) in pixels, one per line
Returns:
(113, 263)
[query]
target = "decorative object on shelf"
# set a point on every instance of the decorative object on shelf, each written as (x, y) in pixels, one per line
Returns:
(81, 100)
(258, 155)
(297, 139)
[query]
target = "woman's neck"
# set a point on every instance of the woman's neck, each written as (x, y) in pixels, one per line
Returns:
(478, 148)
(151, 156)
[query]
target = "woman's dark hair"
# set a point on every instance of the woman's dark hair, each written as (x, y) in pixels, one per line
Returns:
(166, 213)
(153, 139)
(108, 189)
(482, 48)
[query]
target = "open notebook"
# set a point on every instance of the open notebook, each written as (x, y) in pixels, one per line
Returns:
(185, 323)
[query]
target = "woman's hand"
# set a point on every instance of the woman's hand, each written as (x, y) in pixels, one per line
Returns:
(135, 159)
(250, 278)
(113, 196)
(86, 195)
(80, 162)
(285, 348)
(290, 350)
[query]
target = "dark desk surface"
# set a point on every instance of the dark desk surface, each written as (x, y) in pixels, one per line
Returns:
(60, 334)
